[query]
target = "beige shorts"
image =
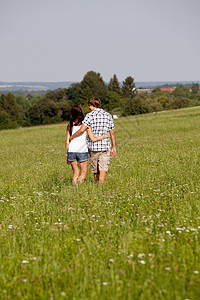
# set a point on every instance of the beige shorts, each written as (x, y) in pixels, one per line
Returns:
(99, 160)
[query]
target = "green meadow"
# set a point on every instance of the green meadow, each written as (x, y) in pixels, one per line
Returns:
(136, 237)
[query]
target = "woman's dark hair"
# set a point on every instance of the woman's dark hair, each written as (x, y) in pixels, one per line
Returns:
(75, 115)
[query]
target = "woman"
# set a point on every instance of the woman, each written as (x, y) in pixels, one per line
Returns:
(77, 150)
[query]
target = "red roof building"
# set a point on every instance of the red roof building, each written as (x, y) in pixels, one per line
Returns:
(170, 90)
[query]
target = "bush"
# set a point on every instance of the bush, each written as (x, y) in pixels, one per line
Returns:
(179, 102)
(136, 105)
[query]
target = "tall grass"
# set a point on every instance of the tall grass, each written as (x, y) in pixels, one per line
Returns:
(137, 237)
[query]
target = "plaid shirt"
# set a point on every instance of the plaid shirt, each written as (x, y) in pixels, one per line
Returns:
(101, 122)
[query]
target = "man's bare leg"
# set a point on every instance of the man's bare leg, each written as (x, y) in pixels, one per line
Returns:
(96, 177)
(102, 176)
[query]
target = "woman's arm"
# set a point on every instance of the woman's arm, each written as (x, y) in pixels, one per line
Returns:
(67, 138)
(96, 138)
(67, 141)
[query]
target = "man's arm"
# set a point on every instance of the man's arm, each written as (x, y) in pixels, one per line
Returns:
(79, 132)
(113, 140)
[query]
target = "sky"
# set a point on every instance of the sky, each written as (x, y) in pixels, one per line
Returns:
(61, 40)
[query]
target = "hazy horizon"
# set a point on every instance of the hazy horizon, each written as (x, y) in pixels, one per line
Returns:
(70, 81)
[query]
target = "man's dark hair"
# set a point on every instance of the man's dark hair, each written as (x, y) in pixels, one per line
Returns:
(95, 101)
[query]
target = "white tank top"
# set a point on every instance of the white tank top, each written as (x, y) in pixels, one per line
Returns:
(79, 143)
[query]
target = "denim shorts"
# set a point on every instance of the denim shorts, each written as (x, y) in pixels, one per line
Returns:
(78, 156)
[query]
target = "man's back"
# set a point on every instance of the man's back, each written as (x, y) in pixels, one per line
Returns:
(101, 122)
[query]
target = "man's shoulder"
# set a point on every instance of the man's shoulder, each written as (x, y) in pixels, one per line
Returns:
(97, 112)
(102, 111)
(107, 114)
(88, 115)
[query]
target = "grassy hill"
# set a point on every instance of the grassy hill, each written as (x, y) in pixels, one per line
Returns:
(137, 237)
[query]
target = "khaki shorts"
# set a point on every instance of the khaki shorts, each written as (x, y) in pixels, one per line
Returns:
(99, 160)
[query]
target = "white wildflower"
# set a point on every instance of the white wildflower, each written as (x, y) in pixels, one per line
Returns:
(142, 262)
(25, 261)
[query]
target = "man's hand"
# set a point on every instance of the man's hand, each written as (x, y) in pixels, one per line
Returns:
(113, 152)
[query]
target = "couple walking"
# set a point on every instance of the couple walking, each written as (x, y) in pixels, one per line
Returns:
(100, 128)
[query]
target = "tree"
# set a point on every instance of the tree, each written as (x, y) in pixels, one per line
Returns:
(29, 97)
(73, 92)
(128, 87)
(43, 112)
(195, 88)
(92, 85)
(3, 104)
(56, 95)
(64, 109)
(5, 122)
(156, 90)
(114, 85)
(9, 105)
(113, 100)
(47, 111)
(181, 91)
(23, 102)
(36, 98)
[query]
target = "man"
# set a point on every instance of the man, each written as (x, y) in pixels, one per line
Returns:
(101, 123)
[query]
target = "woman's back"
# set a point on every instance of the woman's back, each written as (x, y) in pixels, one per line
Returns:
(78, 144)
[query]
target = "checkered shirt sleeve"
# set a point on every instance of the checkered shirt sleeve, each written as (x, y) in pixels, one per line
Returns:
(101, 122)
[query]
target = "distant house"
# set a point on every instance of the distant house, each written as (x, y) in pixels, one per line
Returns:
(139, 91)
(169, 90)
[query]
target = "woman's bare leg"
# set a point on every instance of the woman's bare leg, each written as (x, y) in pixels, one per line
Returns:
(83, 168)
(75, 170)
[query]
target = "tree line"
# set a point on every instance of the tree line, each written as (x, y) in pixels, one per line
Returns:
(121, 99)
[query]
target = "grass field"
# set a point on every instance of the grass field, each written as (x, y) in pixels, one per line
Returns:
(137, 237)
